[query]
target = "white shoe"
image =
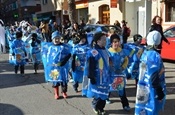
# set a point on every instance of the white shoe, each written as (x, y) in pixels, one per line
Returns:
(71, 80)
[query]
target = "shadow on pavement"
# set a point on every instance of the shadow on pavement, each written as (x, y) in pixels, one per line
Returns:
(169, 108)
(170, 88)
(15, 80)
(7, 109)
(10, 79)
(120, 112)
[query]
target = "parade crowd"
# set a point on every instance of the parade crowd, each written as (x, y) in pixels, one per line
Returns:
(102, 62)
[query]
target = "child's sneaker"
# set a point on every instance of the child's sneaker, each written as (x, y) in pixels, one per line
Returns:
(102, 112)
(126, 108)
(96, 111)
(71, 80)
(64, 95)
(108, 101)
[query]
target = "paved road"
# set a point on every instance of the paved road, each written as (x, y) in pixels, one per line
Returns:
(31, 95)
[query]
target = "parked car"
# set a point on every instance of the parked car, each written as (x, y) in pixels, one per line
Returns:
(168, 50)
(101, 27)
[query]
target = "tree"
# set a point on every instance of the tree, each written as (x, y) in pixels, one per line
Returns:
(72, 12)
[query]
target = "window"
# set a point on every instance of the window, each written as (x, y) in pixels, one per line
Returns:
(170, 11)
(170, 33)
(44, 1)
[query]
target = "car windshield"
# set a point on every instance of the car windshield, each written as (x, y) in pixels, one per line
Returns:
(170, 32)
(105, 28)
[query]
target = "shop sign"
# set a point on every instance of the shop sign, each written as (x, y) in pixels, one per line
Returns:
(113, 3)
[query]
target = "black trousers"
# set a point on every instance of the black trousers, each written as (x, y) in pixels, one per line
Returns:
(63, 86)
(21, 69)
(98, 104)
(123, 99)
(75, 85)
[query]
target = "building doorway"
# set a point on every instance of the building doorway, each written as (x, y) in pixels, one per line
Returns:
(104, 14)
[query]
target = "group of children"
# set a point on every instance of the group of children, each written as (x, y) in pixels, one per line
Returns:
(100, 70)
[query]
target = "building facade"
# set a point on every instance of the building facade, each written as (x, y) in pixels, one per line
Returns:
(166, 9)
(139, 14)
(17, 10)
(106, 11)
(82, 10)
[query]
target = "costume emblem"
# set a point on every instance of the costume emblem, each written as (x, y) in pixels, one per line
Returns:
(118, 83)
(18, 57)
(94, 52)
(54, 74)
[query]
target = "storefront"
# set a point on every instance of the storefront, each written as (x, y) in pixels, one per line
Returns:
(106, 11)
(82, 10)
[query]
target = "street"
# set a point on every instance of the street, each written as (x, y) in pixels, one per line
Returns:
(31, 95)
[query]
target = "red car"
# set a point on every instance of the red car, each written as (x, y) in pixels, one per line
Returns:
(168, 50)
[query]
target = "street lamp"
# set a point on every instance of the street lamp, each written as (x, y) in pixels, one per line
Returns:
(62, 2)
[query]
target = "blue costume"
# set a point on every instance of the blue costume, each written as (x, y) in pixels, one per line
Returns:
(118, 78)
(99, 71)
(151, 87)
(149, 81)
(44, 50)
(118, 64)
(57, 64)
(27, 42)
(35, 51)
(134, 54)
(18, 53)
(55, 58)
(78, 63)
(18, 49)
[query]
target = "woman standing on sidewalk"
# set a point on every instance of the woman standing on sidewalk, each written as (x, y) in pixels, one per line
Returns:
(156, 25)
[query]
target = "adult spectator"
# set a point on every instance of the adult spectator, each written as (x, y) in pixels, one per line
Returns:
(117, 23)
(124, 31)
(156, 25)
(44, 30)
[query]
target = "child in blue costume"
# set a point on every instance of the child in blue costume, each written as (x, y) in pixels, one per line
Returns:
(119, 64)
(138, 49)
(131, 49)
(35, 51)
(72, 42)
(78, 62)
(44, 50)
(98, 73)
(151, 88)
(57, 64)
(19, 53)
